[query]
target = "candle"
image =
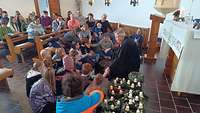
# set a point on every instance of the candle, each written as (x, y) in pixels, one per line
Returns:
(131, 91)
(135, 80)
(141, 95)
(115, 82)
(132, 85)
(130, 95)
(136, 98)
(113, 92)
(130, 102)
(111, 87)
(121, 82)
(106, 101)
(111, 98)
(127, 108)
(117, 79)
(112, 107)
(118, 102)
(120, 92)
(140, 105)
(138, 111)
(139, 84)
(128, 82)
(124, 79)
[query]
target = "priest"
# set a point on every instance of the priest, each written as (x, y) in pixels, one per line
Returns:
(126, 59)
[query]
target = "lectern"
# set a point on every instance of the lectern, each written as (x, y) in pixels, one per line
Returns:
(152, 41)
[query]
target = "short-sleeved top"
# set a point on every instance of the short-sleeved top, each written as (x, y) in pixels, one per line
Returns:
(4, 31)
(73, 24)
(34, 30)
(40, 95)
(79, 105)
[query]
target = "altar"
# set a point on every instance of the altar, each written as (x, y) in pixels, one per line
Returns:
(181, 44)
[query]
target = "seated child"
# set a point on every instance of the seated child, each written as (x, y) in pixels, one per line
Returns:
(105, 47)
(74, 100)
(97, 32)
(91, 58)
(57, 58)
(87, 74)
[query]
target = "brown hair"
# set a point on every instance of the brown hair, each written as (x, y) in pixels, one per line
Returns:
(72, 85)
(86, 68)
(49, 74)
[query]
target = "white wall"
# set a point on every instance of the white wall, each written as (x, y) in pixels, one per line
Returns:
(187, 5)
(24, 6)
(66, 5)
(121, 11)
(27, 6)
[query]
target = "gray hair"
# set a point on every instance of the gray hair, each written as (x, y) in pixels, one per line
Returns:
(120, 32)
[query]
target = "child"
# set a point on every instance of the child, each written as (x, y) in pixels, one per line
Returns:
(105, 47)
(57, 58)
(97, 32)
(42, 94)
(74, 100)
(87, 74)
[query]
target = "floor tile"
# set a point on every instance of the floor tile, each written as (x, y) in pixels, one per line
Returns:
(167, 110)
(167, 104)
(183, 109)
(181, 102)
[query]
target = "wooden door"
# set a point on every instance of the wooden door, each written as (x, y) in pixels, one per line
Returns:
(53, 6)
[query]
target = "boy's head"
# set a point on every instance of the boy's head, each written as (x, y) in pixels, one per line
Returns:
(86, 68)
(72, 85)
(99, 25)
(73, 52)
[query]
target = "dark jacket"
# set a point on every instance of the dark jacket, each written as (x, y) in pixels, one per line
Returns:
(105, 26)
(126, 60)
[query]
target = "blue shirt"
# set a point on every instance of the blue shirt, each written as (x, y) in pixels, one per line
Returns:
(78, 105)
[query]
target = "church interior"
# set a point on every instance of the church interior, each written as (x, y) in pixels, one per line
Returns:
(99, 56)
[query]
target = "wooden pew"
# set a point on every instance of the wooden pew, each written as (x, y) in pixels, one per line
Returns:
(41, 40)
(17, 49)
(4, 74)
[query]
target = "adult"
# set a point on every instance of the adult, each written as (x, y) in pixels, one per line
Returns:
(57, 24)
(21, 24)
(80, 17)
(13, 24)
(67, 19)
(127, 58)
(73, 23)
(1, 11)
(42, 94)
(90, 21)
(5, 16)
(46, 20)
(34, 29)
(138, 38)
(4, 29)
(85, 34)
(105, 24)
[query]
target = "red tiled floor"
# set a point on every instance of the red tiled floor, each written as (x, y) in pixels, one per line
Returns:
(196, 108)
(167, 110)
(167, 104)
(165, 95)
(181, 102)
(183, 109)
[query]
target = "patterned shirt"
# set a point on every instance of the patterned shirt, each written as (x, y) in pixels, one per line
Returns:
(40, 94)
